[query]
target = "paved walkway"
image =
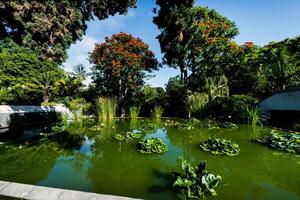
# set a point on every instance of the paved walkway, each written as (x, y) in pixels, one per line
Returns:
(24, 191)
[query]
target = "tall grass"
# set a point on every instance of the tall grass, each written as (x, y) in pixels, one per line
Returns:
(251, 114)
(197, 104)
(158, 111)
(106, 108)
(134, 112)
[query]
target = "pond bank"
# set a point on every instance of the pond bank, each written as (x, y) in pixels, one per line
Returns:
(31, 192)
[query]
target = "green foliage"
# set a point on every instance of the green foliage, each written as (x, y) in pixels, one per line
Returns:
(220, 146)
(79, 108)
(193, 123)
(251, 114)
(158, 111)
(196, 183)
(192, 37)
(149, 98)
(50, 27)
(128, 136)
(231, 108)
(177, 98)
(264, 70)
(28, 78)
(198, 103)
(217, 87)
(152, 145)
(134, 112)
(106, 108)
(121, 64)
(63, 124)
(287, 142)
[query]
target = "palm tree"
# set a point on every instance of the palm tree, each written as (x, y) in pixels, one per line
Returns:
(47, 83)
(80, 71)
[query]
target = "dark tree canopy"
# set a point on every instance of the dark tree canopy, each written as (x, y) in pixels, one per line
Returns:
(191, 36)
(51, 26)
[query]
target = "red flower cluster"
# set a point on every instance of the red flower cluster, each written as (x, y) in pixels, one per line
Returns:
(249, 44)
(123, 53)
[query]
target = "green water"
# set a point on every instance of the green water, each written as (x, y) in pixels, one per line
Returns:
(103, 165)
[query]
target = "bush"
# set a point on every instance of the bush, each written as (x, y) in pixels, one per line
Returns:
(177, 98)
(231, 108)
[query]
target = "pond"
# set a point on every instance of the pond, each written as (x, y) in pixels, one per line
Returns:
(98, 163)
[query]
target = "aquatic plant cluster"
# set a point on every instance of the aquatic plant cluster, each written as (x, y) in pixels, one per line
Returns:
(194, 123)
(152, 145)
(221, 147)
(196, 183)
(128, 136)
(289, 142)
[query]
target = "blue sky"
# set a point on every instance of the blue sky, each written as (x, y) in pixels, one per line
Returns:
(260, 21)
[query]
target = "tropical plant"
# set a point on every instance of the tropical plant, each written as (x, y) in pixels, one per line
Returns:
(217, 87)
(196, 183)
(50, 26)
(251, 114)
(287, 142)
(79, 108)
(220, 146)
(63, 124)
(106, 108)
(158, 111)
(134, 112)
(120, 65)
(151, 145)
(198, 103)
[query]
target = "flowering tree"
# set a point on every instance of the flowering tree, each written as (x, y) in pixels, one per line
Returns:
(121, 64)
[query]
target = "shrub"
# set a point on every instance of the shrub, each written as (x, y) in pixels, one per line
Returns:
(231, 108)
(134, 112)
(158, 111)
(198, 104)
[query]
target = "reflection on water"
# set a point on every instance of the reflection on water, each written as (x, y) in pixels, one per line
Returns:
(103, 165)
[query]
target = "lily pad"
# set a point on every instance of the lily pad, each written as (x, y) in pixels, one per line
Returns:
(128, 136)
(288, 142)
(152, 145)
(220, 147)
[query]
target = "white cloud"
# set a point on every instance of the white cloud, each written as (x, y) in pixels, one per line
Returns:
(79, 53)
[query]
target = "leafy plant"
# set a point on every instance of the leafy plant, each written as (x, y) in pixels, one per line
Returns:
(152, 145)
(220, 146)
(288, 142)
(134, 112)
(196, 183)
(106, 108)
(128, 136)
(251, 114)
(63, 124)
(197, 104)
(227, 125)
(158, 111)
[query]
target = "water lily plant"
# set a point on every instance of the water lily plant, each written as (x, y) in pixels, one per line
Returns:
(196, 183)
(221, 147)
(289, 142)
(152, 145)
(128, 136)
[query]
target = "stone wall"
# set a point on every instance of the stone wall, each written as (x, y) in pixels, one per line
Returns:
(30, 113)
